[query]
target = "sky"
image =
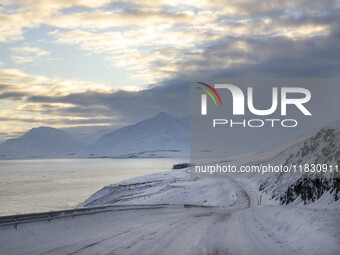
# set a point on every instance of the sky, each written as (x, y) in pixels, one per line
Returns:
(91, 64)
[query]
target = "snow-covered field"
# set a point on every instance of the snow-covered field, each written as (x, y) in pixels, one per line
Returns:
(230, 222)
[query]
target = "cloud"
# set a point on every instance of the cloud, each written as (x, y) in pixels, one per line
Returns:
(136, 17)
(127, 106)
(17, 86)
(28, 54)
(30, 50)
(260, 57)
(163, 44)
(120, 50)
(39, 100)
(153, 38)
(12, 95)
(12, 24)
(17, 81)
(58, 121)
(154, 44)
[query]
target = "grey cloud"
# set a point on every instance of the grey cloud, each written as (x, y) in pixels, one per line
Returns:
(277, 7)
(272, 57)
(4, 86)
(268, 56)
(30, 120)
(171, 97)
(13, 95)
(94, 111)
(66, 121)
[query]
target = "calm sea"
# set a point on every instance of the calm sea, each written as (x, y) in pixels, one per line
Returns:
(38, 185)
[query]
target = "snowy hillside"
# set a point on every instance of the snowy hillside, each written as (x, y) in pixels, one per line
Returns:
(42, 142)
(162, 135)
(321, 148)
(175, 187)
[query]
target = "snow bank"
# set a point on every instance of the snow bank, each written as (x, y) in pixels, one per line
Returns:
(174, 187)
(307, 231)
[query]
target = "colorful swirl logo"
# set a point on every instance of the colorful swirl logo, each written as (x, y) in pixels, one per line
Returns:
(209, 93)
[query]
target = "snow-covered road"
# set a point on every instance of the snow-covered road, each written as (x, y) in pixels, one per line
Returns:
(147, 231)
(175, 229)
(232, 227)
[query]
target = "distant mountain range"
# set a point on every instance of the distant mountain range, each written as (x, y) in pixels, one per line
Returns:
(161, 136)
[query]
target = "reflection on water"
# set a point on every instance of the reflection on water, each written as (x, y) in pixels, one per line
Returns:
(55, 184)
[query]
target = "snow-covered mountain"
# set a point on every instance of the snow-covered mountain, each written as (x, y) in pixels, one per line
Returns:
(323, 147)
(42, 142)
(162, 135)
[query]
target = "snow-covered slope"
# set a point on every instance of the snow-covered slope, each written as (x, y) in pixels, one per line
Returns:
(42, 142)
(321, 148)
(175, 187)
(162, 135)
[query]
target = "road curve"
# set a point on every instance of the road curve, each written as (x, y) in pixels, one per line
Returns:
(167, 229)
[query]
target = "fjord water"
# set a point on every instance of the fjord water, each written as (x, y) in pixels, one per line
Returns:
(37, 185)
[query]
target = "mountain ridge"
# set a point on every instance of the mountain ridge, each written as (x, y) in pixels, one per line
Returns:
(162, 132)
(163, 135)
(40, 142)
